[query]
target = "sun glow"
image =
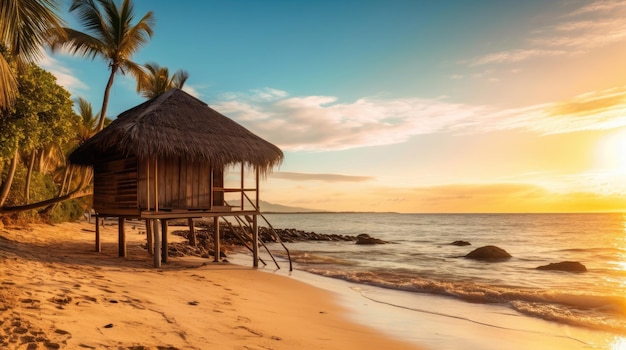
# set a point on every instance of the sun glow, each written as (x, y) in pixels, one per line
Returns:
(612, 152)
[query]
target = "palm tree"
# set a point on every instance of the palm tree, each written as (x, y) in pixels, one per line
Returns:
(158, 80)
(110, 35)
(88, 121)
(24, 28)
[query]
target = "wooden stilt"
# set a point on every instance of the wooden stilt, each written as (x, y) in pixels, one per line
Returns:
(121, 237)
(157, 243)
(164, 240)
(192, 233)
(255, 242)
(216, 238)
(149, 243)
(98, 244)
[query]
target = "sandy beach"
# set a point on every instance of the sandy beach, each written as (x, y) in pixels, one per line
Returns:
(56, 292)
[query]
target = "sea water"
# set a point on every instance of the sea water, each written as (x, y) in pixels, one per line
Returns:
(421, 259)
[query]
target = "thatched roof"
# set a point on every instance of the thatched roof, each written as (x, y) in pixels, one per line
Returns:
(177, 125)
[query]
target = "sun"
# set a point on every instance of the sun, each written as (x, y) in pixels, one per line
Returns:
(612, 152)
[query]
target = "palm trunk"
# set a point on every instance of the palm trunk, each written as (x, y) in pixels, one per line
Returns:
(76, 194)
(29, 176)
(67, 178)
(6, 185)
(105, 101)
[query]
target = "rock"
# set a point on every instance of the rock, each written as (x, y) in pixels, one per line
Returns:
(460, 243)
(569, 266)
(366, 239)
(489, 253)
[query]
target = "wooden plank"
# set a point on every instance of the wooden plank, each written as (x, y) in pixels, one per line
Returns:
(216, 239)
(255, 242)
(98, 244)
(189, 186)
(157, 243)
(192, 233)
(150, 244)
(164, 252)
(108, 211)
(122, 237)
(193, 214)
(182, 174)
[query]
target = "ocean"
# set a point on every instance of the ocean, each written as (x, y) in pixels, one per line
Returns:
(420, 259)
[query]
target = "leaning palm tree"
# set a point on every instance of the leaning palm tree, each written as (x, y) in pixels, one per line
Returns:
(158, 80)
(111, 35)
(24, 27)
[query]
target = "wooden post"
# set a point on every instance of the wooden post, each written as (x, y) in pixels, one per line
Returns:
(149, 243)
(148, 186)
(192, 233)
(255, 242)
(164, 240)
(211, 188)
(242, 187)
(98, 244)
(257, 191)
(156, 186)
(157, 243)
(216, 238)
(121, 237)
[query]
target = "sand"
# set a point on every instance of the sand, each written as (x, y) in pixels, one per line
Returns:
(57, 292)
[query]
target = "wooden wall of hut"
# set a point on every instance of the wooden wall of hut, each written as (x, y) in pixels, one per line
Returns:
(182, 185)
(115, 185)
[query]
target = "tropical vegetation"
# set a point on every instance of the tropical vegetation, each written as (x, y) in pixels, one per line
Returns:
(24, 29)
(40, 122)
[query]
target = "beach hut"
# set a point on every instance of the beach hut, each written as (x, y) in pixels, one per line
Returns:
(166, 158)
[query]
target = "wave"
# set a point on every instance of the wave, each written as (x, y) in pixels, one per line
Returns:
(311, 258)
(601, 312)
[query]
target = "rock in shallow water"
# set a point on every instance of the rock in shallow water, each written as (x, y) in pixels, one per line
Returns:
(460, 243)
(366, 239)
(569, 266)
(489, 253)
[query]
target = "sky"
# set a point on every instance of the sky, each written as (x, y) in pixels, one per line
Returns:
(403, 106)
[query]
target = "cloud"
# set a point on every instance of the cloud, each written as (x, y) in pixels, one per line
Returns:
(324, 123)
(319, 177)
(192, 91)
(316, 123)
(65, 76)
(600, 110)
(513, 56)
(593, 25)
(605, 6)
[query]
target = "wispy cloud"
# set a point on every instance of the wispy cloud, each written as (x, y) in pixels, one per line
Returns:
(324, 123)
(319, 177)
(513, 56)
(601, 110)
(65, 76)
(318, 123)
(593, 25)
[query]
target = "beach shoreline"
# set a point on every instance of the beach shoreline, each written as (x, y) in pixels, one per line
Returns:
(56, 292)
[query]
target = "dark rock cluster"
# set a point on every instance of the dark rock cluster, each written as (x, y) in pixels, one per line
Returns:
(232, 237)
